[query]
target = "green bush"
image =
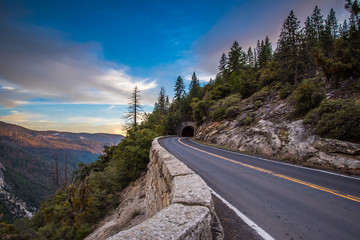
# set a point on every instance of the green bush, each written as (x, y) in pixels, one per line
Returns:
(307, 96)
(285, 91)
(232, 111)
(247, 119)
(339, 119)
(218, 114)
(227, 107)
(132, 155)
(258, 103)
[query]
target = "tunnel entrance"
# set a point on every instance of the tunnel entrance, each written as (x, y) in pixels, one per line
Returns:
(187, 131)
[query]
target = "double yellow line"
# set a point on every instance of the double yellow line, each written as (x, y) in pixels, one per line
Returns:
(350, 197)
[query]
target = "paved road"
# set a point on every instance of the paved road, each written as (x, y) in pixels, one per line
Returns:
(286, 201)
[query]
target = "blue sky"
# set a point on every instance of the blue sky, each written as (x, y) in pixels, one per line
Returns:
(71, 65)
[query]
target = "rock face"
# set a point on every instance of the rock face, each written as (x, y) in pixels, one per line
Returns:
(130, 212)
(17, 207)
(284, 140)
(178, 202)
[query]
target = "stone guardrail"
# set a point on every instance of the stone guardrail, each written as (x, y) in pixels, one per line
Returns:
(178, 202)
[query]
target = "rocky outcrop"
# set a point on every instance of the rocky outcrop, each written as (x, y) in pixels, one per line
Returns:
(178, 202)
(286, 141)
(14, 205)
(130, 212)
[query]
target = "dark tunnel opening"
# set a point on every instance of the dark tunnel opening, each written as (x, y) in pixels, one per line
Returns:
(188, 131)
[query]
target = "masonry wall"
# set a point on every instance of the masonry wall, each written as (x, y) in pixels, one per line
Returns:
(178, 202)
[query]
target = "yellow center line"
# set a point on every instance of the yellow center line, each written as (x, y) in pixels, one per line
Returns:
(334, 192)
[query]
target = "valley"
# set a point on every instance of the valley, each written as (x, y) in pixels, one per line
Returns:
(36, 163)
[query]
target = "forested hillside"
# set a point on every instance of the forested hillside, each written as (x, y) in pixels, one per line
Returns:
(315, 67)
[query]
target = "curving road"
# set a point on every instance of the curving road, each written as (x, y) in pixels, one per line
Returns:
(286, 201)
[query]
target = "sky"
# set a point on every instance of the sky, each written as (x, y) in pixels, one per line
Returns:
(72, 65)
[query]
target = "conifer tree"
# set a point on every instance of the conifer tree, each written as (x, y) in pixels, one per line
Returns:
(179, 88)
(161, 103)
(353, 6)
(223, 65)
(317, 21)
(332, 25)
(250, 58)
(288, 44)
(265, 52)
(194, 87)
(237, 58)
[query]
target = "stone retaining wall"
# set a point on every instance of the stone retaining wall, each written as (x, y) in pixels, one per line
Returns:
(178, 202)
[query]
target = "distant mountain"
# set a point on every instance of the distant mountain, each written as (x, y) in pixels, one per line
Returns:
(28, 164)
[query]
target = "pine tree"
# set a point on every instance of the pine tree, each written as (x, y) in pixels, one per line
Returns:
(332, 25)
(288, 44)
(317, 21)
(179, 88)
(308, 43)
(250, 58)
(194, 87)
(265, 52)
(161, 103)
(237, 58)
(135, 107)
(353, 6)
(223, 65)
(344, 30)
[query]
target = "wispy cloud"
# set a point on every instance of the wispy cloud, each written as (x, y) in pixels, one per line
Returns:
(17, 117)
(37, 62)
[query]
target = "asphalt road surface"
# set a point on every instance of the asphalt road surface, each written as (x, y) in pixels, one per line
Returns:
(286, 201)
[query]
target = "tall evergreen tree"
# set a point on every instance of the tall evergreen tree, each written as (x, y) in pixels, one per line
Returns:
(344, 30)
(194, 87)
(223, 65)
(317, 21)
(250, 58)
(237, 58)
(288, 44)
(331, 25)
(161, 103)
(135, 107)
(265, 52)
(353, 6)
(179, 88)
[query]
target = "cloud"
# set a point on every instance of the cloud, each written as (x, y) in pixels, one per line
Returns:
(37, 62)
(17, 117)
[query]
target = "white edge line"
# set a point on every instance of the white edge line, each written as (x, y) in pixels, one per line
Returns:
(247, 220)
(287, 164)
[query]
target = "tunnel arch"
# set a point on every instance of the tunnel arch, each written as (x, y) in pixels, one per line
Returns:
(187, 131)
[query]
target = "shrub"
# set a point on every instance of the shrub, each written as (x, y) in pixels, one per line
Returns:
(258, 103)
(225, 108)
(285, 91)
(246, 120)
(307, 96)
(218, 114)
(339, 119)
(232, 111)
